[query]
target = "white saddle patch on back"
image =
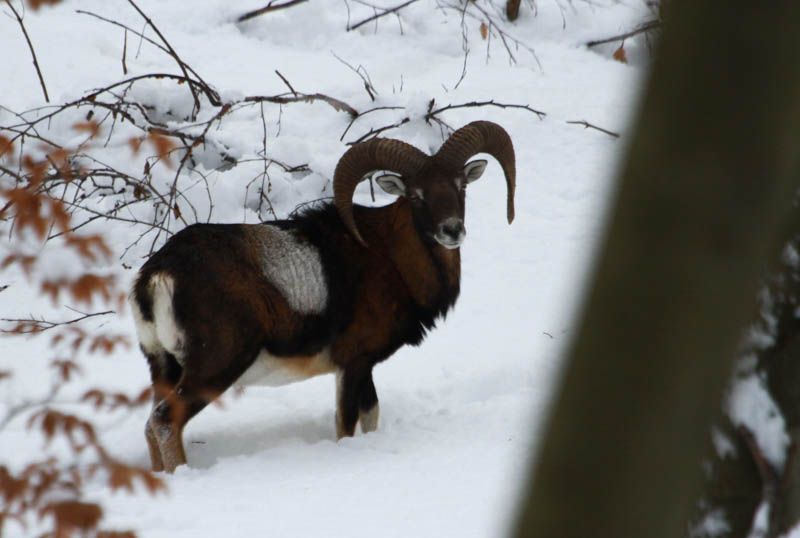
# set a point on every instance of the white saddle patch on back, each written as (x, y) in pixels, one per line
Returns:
(292, 266)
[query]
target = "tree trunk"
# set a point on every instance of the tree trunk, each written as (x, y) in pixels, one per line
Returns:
(711, 170)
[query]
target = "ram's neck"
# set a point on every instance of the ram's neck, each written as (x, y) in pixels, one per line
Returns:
(431, 272)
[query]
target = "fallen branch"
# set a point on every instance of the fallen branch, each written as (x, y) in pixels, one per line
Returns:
(652, 25)
(379, 15)
(30, 46)
(268, 8)
(588, 125)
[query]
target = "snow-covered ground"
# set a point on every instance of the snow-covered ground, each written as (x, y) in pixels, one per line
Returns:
(461, 414)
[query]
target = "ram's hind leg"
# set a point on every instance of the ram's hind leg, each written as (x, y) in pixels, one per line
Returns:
(356, 400)
(196, 388)
(165, 372)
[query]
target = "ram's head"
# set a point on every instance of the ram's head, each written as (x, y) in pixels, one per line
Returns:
(434, 185)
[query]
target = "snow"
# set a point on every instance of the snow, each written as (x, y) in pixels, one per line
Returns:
(461, 414)
(751, 405)
(712, 525)
(722, 444)
(760, 522)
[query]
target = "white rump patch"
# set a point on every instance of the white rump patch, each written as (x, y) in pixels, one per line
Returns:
(294, 267)
(276, 371)
(163, 332)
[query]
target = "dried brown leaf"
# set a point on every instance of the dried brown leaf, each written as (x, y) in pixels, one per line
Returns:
(24, 260)
(120, 476)
(72, 516)
(484, 31)
(65, 368)
(11, 487)
(619, 54)
(6, 145)
(36, 4)
(163, 146)
(97, 396)
(91, 127)
(136, 144)
(106, 343)
(144, 396)
(89, 246)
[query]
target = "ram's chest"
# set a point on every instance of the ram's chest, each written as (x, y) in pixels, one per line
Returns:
(274, 371)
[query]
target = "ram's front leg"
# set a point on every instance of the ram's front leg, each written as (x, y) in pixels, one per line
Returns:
(356, 400)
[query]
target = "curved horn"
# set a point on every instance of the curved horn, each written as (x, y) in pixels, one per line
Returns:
(481, 137)
(363, 158)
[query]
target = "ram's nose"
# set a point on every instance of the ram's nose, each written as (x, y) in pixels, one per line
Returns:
(451, 232)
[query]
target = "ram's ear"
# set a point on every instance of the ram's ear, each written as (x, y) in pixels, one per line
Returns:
(392, 184)
(474, 169)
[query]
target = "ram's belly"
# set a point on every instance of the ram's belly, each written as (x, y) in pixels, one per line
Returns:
(275, 371)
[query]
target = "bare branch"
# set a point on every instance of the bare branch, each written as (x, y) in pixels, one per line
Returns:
(33, 325)
(371, 91)
(303, 97)
(433, 115)
(652, 25)
(474, 104)
(588, 125)
(30, 46)
(285, 82)
(268, 8)
(212, 95)
(125, 53)
(379, 15)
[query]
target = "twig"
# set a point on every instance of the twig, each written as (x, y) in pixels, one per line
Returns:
(374, 132)
(643, 28)
(474, 104)
(213, 97)
(353, 120)
(303, 97)
(266, 9)
(588, 125)
(33, 325)
(286, 82)
(371, 91)
(379, 15)
(299, 207)
(432, 115)
(124, 53)
(33, 53)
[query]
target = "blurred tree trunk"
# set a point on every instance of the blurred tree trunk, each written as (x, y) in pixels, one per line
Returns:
(703, 200)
